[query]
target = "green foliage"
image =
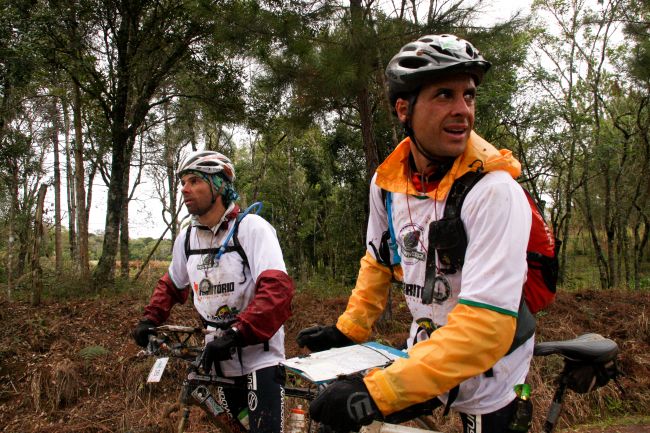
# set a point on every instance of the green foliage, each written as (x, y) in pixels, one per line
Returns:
(89, 353)
(280, 87)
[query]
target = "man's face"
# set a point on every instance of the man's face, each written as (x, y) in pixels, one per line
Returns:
(197, 194)
(443, 116)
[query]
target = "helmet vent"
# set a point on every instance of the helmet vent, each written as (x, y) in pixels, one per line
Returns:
(413, 62)
(442, 50)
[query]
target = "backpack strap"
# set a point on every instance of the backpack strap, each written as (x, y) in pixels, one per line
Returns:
(447, 236)
(225, 248)
(214, 250)
(392, 244)
(388, 242)
(459, 190)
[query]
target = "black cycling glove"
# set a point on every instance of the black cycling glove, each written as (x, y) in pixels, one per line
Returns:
(345, 405)
(220, 349)
(142, 331)
(318, 338)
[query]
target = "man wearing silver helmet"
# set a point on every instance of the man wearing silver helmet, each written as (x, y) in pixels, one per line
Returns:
(235, 269)
(462, 348)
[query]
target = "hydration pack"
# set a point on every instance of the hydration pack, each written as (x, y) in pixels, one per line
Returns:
(447, 236)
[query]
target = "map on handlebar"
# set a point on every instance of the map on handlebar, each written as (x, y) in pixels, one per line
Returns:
(325, 366)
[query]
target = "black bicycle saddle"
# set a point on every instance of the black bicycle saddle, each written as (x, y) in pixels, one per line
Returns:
(588, 347)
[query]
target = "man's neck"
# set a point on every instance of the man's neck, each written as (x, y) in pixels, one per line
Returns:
(427, 168)
(213, 216)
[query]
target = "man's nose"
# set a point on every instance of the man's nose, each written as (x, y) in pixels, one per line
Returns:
(460, 106)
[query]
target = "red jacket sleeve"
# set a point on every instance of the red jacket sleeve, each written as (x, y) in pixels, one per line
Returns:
(164, 297)
(269, 308)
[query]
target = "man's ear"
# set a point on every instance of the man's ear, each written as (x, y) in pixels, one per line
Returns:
(402, 109)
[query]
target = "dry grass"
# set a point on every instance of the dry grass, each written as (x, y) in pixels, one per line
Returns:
(72, 367)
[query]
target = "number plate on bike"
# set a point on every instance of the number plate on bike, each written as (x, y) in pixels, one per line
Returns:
(157, 370)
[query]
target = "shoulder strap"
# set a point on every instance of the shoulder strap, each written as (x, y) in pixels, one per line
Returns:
(190, 252)
(447, 235)
(227, 249)
(187, 241)
(459, 190)
(388, 200)
(238, 248)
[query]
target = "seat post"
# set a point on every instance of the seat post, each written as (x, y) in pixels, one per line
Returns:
(556, 406)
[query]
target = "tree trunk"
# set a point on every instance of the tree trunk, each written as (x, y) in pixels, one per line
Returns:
(17, 233)
(70, 190)
(641, 230)
(364, 64)
(82, 218)
(170, 153)
(121, 157)
(10, 258)
(124, 231)
(368, 133)
(591, 225)
(37, 271)
(58, 246)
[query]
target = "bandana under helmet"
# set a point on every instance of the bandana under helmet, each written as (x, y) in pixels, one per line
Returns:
(213, 167)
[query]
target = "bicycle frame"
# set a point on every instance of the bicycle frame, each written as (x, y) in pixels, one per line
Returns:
(195, 389)
(585, 350)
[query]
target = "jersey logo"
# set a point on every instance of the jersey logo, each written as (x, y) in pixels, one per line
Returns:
(207, 262)
(410, 236)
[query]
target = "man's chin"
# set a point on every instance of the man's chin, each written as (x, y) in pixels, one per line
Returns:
(454, 148)
(193, 210)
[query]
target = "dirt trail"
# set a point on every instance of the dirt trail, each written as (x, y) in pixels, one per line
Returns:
(70, 366)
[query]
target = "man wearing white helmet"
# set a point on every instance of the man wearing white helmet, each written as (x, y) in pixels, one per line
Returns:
(235, 269)
(466, 313)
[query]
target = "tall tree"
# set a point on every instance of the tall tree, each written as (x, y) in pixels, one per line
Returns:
(55, 130)
(140, 44)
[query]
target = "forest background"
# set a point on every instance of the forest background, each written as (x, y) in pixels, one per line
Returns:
(294, 92)
(112, 92)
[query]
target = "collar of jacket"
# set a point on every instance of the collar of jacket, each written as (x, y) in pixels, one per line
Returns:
(393, 173)
(229, 214)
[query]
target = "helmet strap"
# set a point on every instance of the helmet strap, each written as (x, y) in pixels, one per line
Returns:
(410, 133)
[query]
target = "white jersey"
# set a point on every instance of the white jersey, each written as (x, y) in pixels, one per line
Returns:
(227, 285)
(497, 218)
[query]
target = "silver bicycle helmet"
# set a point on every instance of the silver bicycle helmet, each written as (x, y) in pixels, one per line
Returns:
(207, 162)
(420, 61)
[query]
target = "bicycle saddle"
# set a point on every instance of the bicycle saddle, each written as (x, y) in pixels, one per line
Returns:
(587, 347)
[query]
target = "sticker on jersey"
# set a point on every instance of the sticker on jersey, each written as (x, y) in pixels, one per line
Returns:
(223, 313)
(205, 286)
(410, 236)
(207, 263)
(440, 292)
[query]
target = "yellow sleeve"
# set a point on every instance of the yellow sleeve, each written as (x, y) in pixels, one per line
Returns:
(473, 340)
(367, 300)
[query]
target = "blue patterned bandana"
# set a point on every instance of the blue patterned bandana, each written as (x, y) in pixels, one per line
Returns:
(229, 194)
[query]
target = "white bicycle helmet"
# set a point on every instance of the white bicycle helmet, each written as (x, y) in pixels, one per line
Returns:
(208, 162)
(420, 61)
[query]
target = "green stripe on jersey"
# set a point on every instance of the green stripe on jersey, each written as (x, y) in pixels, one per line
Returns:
(488, 307)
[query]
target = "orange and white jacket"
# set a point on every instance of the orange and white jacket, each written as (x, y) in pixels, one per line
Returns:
(474, 316)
